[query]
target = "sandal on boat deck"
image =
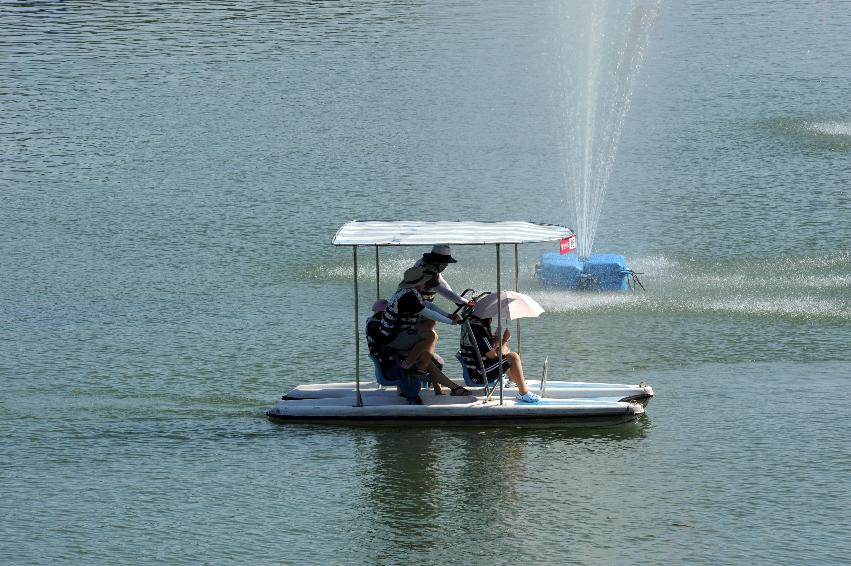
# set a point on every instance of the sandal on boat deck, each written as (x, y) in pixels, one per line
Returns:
(459, 391)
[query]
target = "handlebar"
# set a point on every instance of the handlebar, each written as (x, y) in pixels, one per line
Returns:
(464, 292)
(465, 311)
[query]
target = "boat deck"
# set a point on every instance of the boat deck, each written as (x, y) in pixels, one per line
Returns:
(386, 406)
(554, 390)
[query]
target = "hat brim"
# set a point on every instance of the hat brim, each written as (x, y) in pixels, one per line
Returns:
(438, 258)
(417, 283)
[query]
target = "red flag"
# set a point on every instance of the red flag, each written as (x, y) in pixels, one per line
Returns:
(566, 245)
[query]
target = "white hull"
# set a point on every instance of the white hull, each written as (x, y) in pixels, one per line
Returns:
(555, 390)
(386, 406)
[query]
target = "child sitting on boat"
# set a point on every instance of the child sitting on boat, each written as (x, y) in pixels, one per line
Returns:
(489, 345)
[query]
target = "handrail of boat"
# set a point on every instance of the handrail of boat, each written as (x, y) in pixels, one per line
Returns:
(544, 376)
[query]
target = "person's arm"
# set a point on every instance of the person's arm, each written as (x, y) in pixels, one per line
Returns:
(494, 352)
(434, 315)
(435, 307)
(506, 336)
(410, 303)
(486, 345)
(452, 316)
(446, 291)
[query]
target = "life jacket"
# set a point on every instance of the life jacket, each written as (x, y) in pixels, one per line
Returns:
(373, 341)
(393, 322)
(468, 350)
(429, 293)
(373, 323)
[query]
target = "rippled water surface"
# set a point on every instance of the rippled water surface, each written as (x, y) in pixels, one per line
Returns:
(171, 176)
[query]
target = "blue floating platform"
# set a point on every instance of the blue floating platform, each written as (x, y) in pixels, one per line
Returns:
(599, 272)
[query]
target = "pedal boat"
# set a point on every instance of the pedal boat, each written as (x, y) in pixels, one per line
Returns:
(563, 403)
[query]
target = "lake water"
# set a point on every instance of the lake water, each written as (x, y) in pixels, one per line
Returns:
(171, 177)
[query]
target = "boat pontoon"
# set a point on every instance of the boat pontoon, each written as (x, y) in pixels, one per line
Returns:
(563, 403)
(598, 272)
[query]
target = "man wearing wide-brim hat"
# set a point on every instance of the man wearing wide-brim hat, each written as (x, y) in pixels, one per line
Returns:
(436, 261)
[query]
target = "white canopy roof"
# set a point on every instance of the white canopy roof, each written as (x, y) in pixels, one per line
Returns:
(421, 233)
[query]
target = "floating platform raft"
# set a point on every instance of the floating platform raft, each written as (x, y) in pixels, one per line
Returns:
(599, 272)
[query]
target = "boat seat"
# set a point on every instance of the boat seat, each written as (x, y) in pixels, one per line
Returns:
(382, 379)
(379, 373)
(468, 381)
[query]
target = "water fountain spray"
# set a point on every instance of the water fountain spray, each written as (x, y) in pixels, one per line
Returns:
(602, 47)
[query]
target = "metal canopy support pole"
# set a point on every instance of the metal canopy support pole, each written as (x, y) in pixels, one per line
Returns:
(359, 402)
(517, 287)
(377, 276)
(498, 323)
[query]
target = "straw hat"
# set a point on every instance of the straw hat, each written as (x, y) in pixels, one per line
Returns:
(414, 277)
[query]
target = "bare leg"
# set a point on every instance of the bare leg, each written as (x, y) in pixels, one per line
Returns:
(515, 372)
(439, 378)
(426, 329)
(420, 355)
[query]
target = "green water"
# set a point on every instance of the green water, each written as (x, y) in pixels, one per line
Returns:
(171, 176)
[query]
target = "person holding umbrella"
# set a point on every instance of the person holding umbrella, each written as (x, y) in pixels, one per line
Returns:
(490, 345)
